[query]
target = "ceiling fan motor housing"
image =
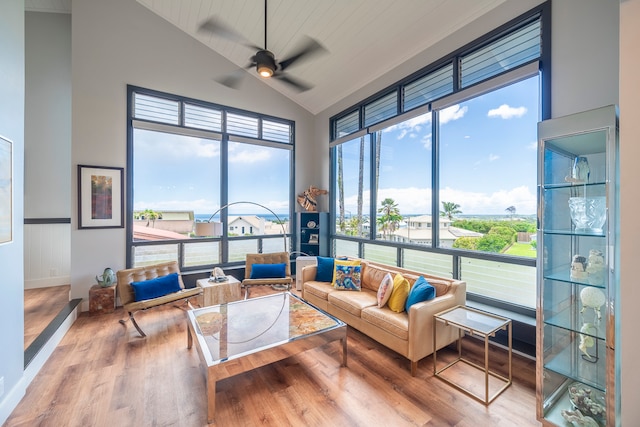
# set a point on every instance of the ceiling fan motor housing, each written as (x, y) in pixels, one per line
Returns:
(265, 63)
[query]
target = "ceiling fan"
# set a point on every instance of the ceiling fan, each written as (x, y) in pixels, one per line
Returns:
(263, 60)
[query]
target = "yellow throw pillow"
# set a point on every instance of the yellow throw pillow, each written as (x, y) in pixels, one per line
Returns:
(400, 293)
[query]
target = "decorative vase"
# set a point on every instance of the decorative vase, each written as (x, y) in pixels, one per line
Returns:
(580, 172)
(107, 279)
(588, 214)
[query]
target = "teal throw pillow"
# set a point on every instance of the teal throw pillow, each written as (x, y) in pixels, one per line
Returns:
(324, 271)
(268, 271)
(154, 288)
(421, 291)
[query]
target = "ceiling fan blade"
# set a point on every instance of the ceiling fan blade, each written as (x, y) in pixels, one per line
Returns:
(216, 27)
(311, 47)
(233, 79)
(296, 84)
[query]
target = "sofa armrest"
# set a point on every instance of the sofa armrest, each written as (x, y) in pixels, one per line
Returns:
(421, 322)
(309, 273)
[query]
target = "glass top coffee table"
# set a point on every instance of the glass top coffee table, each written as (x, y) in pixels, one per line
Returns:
(239, 336)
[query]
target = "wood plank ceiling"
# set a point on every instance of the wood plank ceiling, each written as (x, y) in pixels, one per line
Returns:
(364, 38)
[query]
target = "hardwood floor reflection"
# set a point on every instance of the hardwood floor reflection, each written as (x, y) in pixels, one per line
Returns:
(41, 305)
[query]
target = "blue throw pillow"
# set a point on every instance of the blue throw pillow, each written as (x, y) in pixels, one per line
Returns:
(157, 287)
(324, 272)
(421, 291)
(268, 271)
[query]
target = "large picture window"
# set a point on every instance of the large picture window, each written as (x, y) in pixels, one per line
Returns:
(190, 163)
(450, 174)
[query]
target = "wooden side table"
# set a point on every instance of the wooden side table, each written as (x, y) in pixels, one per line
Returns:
(102, 300)
(214, 293)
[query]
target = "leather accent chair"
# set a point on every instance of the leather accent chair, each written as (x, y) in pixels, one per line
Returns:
(271, 258)
(127, 295)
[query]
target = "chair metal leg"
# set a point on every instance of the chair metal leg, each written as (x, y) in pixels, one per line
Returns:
(133, 320)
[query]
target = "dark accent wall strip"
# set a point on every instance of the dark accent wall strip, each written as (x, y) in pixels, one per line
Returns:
(47, 220)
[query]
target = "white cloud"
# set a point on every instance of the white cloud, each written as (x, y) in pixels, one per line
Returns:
(506, 112)
(494, 203)
(493, 157)
(413, 201)
(416, 124)
(175, 146)
(452, 113)
(533, 145)
(248, 154)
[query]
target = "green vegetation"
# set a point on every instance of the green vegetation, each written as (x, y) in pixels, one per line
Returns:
(522, 249)
(390, 218)
(449, 209)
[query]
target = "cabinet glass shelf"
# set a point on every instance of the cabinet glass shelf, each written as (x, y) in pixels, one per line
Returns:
(578, 278)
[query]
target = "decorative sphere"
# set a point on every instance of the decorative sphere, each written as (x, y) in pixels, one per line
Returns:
(592, 297)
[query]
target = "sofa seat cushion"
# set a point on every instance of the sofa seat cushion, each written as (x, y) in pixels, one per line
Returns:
(396, 324)
(353, 302)
(319, 289)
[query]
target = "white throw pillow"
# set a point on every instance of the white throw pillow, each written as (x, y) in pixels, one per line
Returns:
(385, 289)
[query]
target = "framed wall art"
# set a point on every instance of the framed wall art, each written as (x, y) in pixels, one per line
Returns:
(100, 197)
(6, 191)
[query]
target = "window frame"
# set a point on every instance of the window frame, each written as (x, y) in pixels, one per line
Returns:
(540, 66)
(224, 137)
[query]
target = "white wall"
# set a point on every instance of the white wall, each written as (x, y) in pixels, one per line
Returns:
(119, 42)
(12, 127)
(47, 140)
(629, 345)
(47, 132)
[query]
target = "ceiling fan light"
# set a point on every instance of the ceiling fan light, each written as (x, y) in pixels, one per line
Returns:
(265, 70)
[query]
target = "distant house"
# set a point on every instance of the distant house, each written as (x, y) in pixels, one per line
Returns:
(180, 222)
(418, 229)
(254, 225)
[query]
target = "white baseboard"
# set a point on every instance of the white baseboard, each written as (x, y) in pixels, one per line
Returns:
(47, 282)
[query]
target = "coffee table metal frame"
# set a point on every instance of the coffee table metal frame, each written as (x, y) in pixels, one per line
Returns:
(216, 369)
(484, 325)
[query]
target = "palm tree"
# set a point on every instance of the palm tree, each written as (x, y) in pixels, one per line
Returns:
(390, 216)
(360, 183)
(151, 215)
(449, 209)
(341, 222)
(512, 211)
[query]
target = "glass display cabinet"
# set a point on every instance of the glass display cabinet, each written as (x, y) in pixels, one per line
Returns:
(577, 366)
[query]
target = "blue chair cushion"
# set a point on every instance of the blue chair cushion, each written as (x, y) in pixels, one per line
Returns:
(154, 288)
(324, 271)
(421, 291)
(268, 271)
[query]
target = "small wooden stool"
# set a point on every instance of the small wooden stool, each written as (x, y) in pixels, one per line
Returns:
(102, 300)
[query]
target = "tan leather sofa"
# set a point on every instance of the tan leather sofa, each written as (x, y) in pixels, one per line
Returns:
(127, 295)
(409, 334)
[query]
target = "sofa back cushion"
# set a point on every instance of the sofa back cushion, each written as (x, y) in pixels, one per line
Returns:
(372, 276)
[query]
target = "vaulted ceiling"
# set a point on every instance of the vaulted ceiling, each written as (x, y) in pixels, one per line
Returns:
(363, 39)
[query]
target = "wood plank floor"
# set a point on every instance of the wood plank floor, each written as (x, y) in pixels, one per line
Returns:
(103, 374)
(41, 305)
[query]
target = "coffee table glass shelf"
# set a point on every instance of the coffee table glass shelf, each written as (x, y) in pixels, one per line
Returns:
(484, 325)
(236, 337)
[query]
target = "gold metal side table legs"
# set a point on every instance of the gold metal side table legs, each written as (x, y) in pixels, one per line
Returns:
(483, 330)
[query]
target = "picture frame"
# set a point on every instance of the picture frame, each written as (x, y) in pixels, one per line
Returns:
(313, 239)
(100, 197)
(6, 190)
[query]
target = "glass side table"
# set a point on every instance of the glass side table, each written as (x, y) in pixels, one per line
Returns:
(479, 323)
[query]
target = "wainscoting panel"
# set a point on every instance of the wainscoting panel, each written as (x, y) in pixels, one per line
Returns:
(47, 255)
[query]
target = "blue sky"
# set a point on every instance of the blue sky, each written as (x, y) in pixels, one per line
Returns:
(488, 163)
